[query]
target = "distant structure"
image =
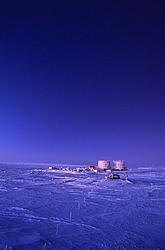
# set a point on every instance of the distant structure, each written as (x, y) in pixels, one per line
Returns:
(103, 165)
(89, 168)
(119, 165)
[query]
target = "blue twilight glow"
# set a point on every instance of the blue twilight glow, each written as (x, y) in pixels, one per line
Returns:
(82, 82)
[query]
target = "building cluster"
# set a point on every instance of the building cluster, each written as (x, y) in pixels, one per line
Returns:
(103, 165)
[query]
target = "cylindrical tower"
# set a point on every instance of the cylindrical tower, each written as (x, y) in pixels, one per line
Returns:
(103, 165)
(118, 165)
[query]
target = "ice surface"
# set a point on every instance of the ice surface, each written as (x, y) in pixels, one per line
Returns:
(40, 209)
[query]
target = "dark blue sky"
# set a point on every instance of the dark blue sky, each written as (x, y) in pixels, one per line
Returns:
(82, 81)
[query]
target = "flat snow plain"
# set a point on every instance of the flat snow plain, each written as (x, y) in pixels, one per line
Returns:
(63, 210)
